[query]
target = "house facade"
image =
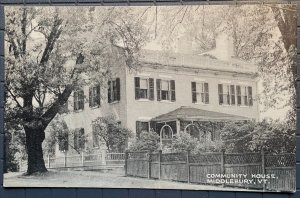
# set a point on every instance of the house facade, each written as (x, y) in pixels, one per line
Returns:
(168, 93)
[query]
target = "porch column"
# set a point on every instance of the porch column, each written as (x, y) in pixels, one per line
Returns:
(177, 126)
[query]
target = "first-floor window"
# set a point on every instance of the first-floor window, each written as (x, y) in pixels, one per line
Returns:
(141, 127)
(166, 90)
(114, 90)
(79, 140)
(200, 92)
(78, 100)
(94, 96)
(95, 136)
(63, 140)
(244, 95)
(144, 88)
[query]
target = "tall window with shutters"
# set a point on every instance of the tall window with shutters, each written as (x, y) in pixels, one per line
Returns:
(114, 90)
(200, 92)
(144, 88)
(166, 90)
(226, 94)
(244, 95)
(94, 96)
(79, 140)
(78, 100)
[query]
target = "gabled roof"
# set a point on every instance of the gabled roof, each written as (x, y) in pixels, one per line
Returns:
(190, 113)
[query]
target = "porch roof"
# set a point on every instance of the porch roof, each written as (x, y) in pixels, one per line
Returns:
(190, 113)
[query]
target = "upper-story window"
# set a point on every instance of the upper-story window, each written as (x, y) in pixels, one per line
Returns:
(114, 90)
(94, 96)
(200, 92)
(165, 90)
(144, 88)
(78, 100)
(226, 94)
(244, 95)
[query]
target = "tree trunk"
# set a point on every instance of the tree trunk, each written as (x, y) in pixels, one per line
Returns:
(34, 139)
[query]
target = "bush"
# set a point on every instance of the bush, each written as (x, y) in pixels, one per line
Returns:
(148, 141)
(184, 142)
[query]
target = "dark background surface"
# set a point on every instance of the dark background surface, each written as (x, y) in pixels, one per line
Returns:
(127, 193)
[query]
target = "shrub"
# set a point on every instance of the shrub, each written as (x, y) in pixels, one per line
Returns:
(148, 141)
(184, 142)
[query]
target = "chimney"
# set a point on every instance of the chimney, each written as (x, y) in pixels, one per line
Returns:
(224, 47)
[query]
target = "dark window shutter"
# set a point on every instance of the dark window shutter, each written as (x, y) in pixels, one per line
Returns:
(81, 99)
(250, 96)
(158, 89)
(206, 93)
(90, 96)
(98, 98)
(238, 93)
(151, 89)
(232, 92)
(194, 92)
(173, 92)
(220, 90)
(75, 98)
(118, 86)
(137, 87)
(76, 139)
(81, 138)
(109, 91)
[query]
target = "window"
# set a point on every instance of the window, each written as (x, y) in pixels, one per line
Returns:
(141, 127)
(79, 139)
(165, 90)
(200, 93)
(95, 130)
(78, 100)
(94, 96)
(226, 94)
(114, 90)
(244, 95)
(144, 88)
(63, 140)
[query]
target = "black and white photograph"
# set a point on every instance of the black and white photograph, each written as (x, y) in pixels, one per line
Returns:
(195, 97)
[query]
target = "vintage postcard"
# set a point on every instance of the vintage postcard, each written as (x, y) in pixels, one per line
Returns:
(196, 97)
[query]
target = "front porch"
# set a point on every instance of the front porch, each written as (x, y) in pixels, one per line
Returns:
(201, 124)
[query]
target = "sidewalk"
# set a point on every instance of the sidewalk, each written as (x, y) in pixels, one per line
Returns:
(93, 179)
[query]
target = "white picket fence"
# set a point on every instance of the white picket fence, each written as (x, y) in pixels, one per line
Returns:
(83, 160)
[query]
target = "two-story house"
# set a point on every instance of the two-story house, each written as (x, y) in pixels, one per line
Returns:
(170, 92)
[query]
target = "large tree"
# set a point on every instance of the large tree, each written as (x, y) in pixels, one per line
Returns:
(53, 51)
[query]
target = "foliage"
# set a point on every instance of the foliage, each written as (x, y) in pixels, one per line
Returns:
(57, 134)
(148, 141)
(109, 130)
(53, 51)
(272, 136)
(184, 142)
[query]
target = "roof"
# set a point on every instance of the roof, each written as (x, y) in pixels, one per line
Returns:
(199, 61)
(190, 113)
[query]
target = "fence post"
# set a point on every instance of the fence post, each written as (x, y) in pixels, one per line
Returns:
(65, 160)
(103, 156)
(223, 163)
(126, 166)
(48, 158)
(159, 163)
(188, 166)
(149, 164)
(82, 158)
(263, 168)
